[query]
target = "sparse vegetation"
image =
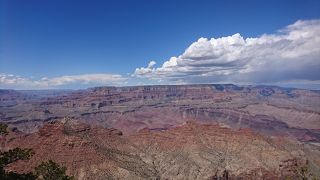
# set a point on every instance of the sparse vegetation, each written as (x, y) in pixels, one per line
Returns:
(11, 156)
(51, 171)
(304, 173)
(225, 176)
(14, 155)
(3, 129)
(45, 171)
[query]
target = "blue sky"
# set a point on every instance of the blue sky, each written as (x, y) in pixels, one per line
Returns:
(46, 40)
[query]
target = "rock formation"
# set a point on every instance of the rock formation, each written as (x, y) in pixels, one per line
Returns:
(189, 151)
(266, 109)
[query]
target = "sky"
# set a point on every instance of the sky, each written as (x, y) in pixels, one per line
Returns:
(63, 44)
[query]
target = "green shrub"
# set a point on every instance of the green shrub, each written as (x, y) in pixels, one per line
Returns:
(51, 171)
(3, 129)
(46, 170)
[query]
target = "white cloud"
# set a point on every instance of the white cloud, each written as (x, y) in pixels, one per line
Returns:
(14, 81)
(151, 64)
(293, 53)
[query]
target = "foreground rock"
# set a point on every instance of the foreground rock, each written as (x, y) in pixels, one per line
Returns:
(189, 151)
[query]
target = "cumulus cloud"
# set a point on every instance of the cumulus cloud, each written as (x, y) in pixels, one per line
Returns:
(151, 64)
(290, 54)
(14, 81)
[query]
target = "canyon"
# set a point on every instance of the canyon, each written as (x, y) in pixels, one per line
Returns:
(202, 131)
